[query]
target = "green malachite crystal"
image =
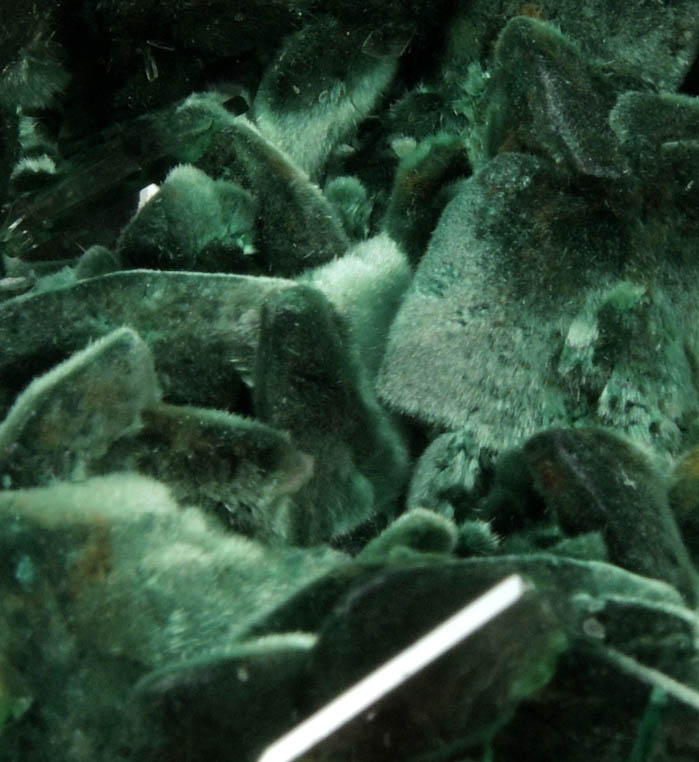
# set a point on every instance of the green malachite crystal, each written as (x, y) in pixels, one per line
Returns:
(318, 320)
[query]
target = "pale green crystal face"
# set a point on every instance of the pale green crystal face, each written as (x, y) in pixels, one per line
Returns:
(318, 320)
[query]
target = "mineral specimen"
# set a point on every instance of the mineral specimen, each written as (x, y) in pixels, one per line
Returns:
(423, 314)
(69, 416)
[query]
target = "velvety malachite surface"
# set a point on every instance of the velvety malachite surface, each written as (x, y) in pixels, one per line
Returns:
(317, 320)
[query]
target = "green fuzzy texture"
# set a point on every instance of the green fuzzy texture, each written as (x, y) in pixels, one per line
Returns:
(421, 190)
(420, 113)
(593, 480)
(484, 304)
(96, 261)
(117, 529)
(589, 546)
(539, 80)
(658, 134)
(308, 382)
(476, 538)
(70, 415)
(238, 468)
(607, 345)
(446, 477)
(644, 43)
(309, 101)
(649, 119)
(352, 204)
(415, 308)
(523, 256)
(366, 287)
(35, 77)
(418, 529)
(192, 223)
(33, 172)
(296, 226)
(190, 321)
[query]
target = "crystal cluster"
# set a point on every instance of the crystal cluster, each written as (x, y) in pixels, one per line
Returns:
(318, 320)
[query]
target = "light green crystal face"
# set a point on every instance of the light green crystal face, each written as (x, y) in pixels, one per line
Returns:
(317, 321)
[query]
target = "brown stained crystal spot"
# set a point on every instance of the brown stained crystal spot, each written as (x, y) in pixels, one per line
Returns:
(689, 467)
(532, 11)
(50, 432)
(95, 562)
(684, 494)
(511, 143)
(416, 184)
(551, 476)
